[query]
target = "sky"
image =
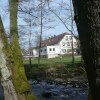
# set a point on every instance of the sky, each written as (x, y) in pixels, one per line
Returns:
(4, 14)
(58, 29)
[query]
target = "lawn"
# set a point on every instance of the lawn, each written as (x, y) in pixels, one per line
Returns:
(53, 61)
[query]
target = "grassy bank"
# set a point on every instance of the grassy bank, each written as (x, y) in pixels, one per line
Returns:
(51, 69)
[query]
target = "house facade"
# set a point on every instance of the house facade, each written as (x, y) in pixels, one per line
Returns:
(56, 46)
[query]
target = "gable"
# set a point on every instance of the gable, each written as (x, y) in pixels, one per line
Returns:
(53, 40)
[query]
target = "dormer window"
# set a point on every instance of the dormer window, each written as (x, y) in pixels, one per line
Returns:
(68, 43)
(75, 43)
(66, 37)
(70, 37)
(63, 43)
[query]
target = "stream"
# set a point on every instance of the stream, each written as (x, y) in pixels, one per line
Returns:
(1, 93)
(48, 90)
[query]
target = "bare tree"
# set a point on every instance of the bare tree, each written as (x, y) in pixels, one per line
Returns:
(64, 7)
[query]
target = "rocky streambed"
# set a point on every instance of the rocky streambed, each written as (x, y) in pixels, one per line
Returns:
(1, 93)
(49, 90)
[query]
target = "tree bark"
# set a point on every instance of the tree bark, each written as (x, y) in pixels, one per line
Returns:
(5, 66)
(87, 18)
(18, 73)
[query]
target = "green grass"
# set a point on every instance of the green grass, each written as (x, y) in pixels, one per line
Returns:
(53, 61)
(54, 65)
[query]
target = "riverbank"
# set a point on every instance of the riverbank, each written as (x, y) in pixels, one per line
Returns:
(57, 81)
(58, 72)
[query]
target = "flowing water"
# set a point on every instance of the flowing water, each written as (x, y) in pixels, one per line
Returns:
(1, 93)
(51, 91)
(48, 90)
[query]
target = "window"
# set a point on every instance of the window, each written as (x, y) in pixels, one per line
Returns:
(69, 50)
(50, 49)
(45, 50)
(68, 44)
(75, 43)
(64, 50)
(53, 49)
(66, 37)
(63, 43)
(70, 37)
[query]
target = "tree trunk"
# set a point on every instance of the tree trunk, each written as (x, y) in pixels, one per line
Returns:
(18, 73)
(5, 66)
(87, 17)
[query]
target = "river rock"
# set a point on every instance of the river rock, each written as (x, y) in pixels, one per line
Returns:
(64, 96)
(46, 94)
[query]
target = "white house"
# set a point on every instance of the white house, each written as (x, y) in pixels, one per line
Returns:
(57, 45)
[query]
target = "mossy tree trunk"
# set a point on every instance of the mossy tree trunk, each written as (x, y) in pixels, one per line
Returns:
(87, 17)
(13, 78)
(5, 66)
(18, 73)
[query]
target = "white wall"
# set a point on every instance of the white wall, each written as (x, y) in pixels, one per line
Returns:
(35, 53)
(53, 49)
(66, 44)
(43, 50)
(63, 47)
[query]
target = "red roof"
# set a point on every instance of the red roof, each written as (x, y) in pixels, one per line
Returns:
(53, 40)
